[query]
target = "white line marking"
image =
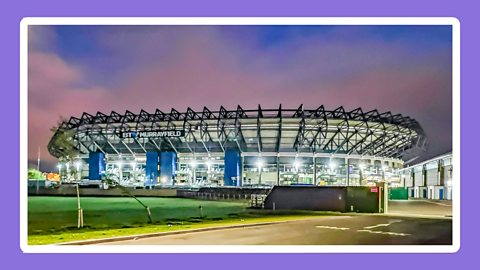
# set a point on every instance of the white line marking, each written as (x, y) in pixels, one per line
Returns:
(442, 204)
(333, 228)
(383, 225)
(385, 233)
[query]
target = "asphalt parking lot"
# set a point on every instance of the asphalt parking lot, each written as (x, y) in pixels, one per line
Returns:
(412, 222)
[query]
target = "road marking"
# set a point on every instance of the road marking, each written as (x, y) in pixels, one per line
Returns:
(442, 204)
(383, 224)
(385, 233)
(332, 228)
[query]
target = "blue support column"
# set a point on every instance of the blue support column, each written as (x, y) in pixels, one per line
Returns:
(151, 169)
(168, 167)
(233, 165)
(96, 165)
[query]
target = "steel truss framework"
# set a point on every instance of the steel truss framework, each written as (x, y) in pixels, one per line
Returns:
(260, 130)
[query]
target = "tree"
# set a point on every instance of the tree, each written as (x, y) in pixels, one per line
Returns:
(64, 144)
(34, 174)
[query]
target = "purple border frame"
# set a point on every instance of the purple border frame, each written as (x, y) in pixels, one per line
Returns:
(9, 68)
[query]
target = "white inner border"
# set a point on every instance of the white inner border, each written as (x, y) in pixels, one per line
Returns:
(240, 21)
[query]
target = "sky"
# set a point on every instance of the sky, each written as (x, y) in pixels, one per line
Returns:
(76, 69)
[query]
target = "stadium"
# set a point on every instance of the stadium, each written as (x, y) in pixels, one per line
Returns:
(257, 147)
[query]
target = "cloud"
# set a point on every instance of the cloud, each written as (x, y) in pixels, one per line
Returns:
(147, 68)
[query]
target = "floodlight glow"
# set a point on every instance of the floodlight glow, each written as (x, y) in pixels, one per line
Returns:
(77, 165)
(297, 164)
(332, 165)
(193, 163)
(259, 164)
(209, 164)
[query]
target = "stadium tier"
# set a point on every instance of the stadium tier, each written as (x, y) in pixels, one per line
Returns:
(259, 147)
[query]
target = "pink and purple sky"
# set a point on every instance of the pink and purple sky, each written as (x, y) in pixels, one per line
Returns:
(75, 69)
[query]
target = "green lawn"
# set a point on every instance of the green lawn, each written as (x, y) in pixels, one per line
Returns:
(54, 219)
(51, 214)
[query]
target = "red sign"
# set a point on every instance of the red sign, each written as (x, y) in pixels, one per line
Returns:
(374, 189)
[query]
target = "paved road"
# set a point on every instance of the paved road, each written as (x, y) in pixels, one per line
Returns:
(343, 230)
(404, 228)
(421, 207)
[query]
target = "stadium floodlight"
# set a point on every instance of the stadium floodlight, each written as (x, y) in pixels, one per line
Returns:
(332, 165)
(193, 163)
(259, 164)
(209, 164)
(163, 179)
(297, 164)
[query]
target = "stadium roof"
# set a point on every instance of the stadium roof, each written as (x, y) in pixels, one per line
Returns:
(260, 130)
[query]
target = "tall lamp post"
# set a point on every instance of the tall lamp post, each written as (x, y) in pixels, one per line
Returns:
(259, 166)
(59, 166)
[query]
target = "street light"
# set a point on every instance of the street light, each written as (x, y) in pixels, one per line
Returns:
(77, 167)
(259, 164)
(193, 164)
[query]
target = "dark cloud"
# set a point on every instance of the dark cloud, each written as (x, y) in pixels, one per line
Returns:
(134, 68)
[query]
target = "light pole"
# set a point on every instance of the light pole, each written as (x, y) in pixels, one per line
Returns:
(296, 165)
(361, 167)
(209, 169)
(120, 173)
(332, 166)
(193, 164)
(259, 166)
(78, 164)
(59, 166)
(67, 167)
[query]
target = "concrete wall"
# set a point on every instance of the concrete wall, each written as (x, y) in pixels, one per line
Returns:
(339, 199)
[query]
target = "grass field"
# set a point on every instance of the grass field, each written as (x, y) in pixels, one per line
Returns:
(50, 214)
(54, 219)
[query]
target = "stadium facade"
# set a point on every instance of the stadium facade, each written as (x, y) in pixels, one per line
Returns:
(259, 147)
